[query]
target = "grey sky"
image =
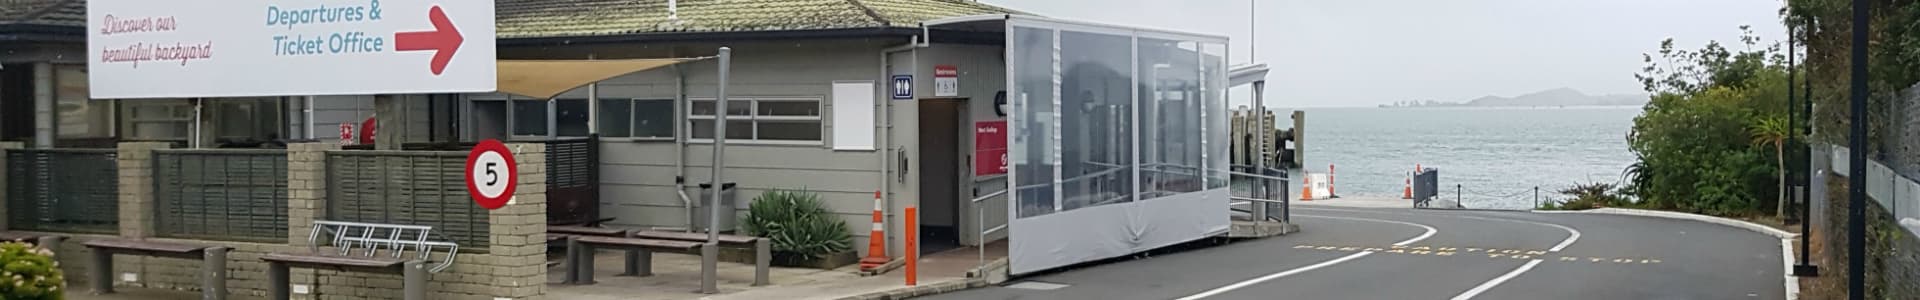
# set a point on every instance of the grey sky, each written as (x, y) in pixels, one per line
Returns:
(1369, 52)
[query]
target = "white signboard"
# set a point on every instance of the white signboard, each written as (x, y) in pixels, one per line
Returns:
(237, 48)
(946, 81)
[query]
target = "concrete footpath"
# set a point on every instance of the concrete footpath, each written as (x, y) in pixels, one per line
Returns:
(677, 277)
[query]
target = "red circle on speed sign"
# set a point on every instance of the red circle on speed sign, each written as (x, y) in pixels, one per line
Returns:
(491, 174)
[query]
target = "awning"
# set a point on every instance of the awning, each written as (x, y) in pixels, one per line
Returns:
(543, 79)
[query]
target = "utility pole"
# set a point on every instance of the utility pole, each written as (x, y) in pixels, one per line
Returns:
(1857, 139)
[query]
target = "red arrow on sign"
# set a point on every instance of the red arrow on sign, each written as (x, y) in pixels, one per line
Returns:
(444, 40)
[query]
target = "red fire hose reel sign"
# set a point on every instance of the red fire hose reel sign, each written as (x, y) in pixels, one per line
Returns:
(491, 174)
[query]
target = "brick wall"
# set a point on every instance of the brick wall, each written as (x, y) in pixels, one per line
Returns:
(511, 267)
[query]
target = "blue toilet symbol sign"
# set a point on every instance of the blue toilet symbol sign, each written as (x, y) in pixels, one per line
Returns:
(902, 87)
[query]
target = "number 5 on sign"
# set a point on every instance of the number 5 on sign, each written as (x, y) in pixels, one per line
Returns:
(491, 174)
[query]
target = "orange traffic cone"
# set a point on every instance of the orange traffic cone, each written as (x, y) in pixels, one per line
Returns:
(877, 240)
(1408, 194)
(1306, 188)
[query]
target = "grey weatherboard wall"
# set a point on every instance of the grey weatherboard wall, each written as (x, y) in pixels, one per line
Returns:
(637, 182)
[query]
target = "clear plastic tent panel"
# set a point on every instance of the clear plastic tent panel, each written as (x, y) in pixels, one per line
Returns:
(1119, 140)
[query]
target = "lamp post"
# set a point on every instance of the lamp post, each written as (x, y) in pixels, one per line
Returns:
(1805, 268)
(1857, 139)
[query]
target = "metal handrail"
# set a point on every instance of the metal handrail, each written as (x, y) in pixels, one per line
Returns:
(1256, 176)
(989, 196)
(1245, 199)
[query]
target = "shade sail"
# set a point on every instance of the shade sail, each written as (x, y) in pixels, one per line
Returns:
(543, 79)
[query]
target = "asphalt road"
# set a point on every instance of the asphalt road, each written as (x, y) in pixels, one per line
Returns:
(1380, 253)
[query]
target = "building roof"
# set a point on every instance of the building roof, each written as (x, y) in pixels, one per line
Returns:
(59, 13)
(588, 18)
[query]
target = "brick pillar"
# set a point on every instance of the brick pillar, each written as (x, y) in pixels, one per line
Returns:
(136, 188)
(306, 188)
(519, 230)
(3, 180)
(306, 199)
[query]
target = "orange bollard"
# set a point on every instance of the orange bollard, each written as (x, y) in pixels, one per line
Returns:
(1330, 192)
(913, 246)
(877, 240)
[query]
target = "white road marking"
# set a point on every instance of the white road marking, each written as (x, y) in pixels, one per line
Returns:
(1269, 277)
(1496, 281)
(1573, 235)
(1786, 256)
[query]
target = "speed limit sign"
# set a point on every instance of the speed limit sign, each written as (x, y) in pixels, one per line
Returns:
(491, 174)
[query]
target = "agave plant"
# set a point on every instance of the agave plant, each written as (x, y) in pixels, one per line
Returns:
(798, 224)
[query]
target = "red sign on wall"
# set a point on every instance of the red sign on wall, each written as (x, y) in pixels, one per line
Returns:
(989, 148)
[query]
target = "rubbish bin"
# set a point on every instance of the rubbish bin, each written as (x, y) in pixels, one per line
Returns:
(728, 216)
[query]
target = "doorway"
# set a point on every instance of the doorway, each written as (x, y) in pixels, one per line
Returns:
(941, 169)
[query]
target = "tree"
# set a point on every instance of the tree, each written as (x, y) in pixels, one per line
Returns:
(1695, 149)
(1773, 130)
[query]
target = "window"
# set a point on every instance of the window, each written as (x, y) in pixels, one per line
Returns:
(637, 118)
(779, 119)
(530, 117)
(79, 116)
(157, 119)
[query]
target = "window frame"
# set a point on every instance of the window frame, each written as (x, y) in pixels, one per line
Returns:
(754, 117)
(179, 112)
(633, 120)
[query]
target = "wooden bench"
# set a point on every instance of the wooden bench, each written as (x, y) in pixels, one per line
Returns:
(353, 246)
(762, 248)
(639, 262)
(44, 241)
(213, 262)
(563, 231)
(557, 236)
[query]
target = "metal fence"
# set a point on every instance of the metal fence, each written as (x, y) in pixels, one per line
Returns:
(63, 190)
(1897, 193)
(425, 188)
(573, 176)
(238, 195)
(1903, 134)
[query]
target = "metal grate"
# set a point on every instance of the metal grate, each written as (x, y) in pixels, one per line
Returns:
(424, 188)
(63, 190)
(1903, 134)
(238, 195)
(573, 195)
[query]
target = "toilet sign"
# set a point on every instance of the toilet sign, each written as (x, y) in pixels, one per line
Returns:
(989, 148)
(946, 81)
(491, 174)
(902, 87)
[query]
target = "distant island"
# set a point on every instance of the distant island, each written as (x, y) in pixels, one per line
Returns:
(1553, 97)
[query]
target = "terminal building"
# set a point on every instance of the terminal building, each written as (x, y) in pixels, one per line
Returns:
(1107, 139)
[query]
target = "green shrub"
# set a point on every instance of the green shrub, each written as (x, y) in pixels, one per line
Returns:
(29, 273)
(1586, 196)
(798, 224)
